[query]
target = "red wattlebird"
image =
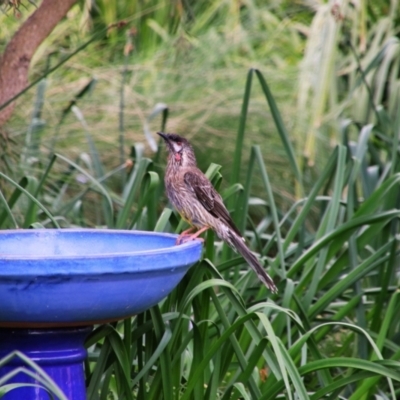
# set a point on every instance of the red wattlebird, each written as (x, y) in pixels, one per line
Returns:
(197, 201)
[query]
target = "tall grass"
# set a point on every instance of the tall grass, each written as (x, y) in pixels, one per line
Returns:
(197, 72)
(31, 369)
(332, 331)
(350, 66)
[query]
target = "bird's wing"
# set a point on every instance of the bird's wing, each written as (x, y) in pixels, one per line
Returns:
(209, 197)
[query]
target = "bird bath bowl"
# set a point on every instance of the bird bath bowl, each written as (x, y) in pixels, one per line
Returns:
(55, 284)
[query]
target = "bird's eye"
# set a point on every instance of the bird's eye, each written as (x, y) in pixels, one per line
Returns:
(179, 143)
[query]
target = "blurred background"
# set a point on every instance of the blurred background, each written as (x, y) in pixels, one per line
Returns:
(293, 111)
(192, 59)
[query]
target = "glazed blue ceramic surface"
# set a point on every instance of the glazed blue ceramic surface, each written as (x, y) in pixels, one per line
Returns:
(59, 352)
(66, 277)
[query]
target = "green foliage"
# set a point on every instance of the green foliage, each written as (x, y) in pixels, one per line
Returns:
(217, 336)
(350, 66)
(34, 371)
(332, 331)
(197, 72)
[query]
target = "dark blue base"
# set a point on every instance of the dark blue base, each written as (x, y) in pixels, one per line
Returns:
(60, 352)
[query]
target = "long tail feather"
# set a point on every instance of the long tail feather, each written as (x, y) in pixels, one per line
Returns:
(238, 244)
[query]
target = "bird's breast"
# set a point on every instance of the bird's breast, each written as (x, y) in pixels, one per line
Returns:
(184, 200)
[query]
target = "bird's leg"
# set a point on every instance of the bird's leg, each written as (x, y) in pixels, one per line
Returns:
(185, 236)
(185, 233)
(197, 234)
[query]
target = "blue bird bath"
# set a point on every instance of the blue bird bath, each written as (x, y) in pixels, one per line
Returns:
(55, 284)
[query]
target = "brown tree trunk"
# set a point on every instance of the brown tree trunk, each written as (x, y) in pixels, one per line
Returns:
(14, 63)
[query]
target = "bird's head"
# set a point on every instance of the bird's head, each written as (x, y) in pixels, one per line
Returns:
(180, 150)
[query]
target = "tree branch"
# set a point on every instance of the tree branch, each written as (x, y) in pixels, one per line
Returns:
(14, 63)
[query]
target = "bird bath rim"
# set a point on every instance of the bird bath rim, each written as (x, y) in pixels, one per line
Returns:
(65, 286)
(167, 249)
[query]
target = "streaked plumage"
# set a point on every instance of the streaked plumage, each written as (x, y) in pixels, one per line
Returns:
(197, 201)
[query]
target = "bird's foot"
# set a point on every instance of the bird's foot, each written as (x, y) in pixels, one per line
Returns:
(182, 237)
(187, 238)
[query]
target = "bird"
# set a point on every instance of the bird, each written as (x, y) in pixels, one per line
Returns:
(199, 203)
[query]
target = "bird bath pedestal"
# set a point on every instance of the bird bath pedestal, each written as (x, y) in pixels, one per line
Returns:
(56, 284)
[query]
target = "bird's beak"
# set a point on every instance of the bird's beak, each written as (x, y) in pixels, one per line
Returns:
(163, 135)
(166, 138)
